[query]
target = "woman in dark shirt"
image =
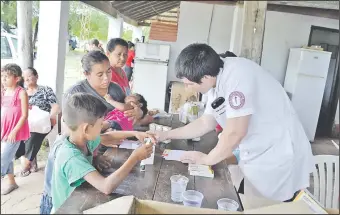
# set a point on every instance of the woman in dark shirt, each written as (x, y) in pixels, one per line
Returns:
(44, 98)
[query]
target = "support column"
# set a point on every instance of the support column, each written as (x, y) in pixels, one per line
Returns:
(236, 33)
(253, 29)
(115, 28)
(137, 33)
(52, 37)
(25, 46)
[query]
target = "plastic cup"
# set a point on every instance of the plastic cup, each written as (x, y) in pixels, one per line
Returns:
(192, 198)
(178, 186)
(226, 204)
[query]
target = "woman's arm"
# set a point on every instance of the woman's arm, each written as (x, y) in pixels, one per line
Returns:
(24, 110)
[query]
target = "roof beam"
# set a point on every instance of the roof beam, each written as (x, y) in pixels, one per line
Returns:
(141, 6)
(151, 13)
(107, 8)
(333, 5)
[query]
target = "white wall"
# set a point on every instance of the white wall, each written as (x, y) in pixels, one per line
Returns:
(284, 31)
(200, 22)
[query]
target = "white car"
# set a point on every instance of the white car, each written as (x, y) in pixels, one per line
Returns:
(9, 48)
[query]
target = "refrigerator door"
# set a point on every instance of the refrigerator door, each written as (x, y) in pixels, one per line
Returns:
(149, 80)
(307, 101)
(152, 52)
(314, 63)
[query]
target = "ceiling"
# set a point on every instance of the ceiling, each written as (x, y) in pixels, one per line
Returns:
(144, 10)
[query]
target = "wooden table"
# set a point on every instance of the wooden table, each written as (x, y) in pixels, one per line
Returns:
(154, 183)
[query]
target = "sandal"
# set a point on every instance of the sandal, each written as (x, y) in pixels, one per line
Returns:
(34, 166)
(24, 173)
(8, 189)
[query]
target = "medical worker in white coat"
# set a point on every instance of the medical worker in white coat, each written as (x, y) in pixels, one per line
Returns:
(256, 115)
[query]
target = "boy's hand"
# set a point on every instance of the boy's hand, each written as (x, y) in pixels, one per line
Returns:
(101, 162)
(142, 135)
(142, 152)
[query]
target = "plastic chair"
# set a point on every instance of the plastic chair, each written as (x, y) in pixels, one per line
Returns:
(326, 180)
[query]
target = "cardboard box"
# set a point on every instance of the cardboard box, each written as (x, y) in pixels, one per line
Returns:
(132, 205)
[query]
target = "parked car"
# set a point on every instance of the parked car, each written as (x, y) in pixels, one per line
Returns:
(9, 48)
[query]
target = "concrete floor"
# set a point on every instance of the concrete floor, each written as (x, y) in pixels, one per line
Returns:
(26, 199)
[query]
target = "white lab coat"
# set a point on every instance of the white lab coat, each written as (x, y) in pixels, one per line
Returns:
(275, 155)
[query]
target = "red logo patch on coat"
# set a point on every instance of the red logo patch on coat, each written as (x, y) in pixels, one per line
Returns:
(236, 100)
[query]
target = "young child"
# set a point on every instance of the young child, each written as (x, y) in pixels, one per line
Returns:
(14, 124)
(117, 114)
(83, 115)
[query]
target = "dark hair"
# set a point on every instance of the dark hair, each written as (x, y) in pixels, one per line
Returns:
(82, 108)
(197, 60)
(91, 58)
(94, 42)
(131, 44)
(228, 54)
(34, 72)
(144, 103)
(111, 45)
(21, 82)
(12, 69)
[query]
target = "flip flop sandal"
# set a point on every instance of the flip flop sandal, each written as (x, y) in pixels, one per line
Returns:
(25, 173)
(9, 189)
(34, 166)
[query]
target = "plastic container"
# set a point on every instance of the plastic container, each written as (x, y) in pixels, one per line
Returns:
(178, 186)
(226, 204)
(192, 198)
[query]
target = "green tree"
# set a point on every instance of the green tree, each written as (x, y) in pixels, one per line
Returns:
(127, 34)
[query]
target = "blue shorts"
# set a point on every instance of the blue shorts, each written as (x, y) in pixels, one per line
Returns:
(46, 204)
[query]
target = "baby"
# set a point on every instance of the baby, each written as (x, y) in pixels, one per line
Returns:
(117, 114)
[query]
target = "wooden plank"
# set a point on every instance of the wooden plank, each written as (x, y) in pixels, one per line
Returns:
(253, 30)
(221, 185)
(170, 168)
(333, 5)
(83, 198)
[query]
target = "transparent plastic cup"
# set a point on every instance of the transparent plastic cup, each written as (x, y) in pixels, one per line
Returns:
(226, 204)
(178, 186)
(192, 198)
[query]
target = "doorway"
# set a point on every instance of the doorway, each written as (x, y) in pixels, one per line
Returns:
(328, 39)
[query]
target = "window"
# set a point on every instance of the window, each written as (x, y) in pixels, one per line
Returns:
(15, 43)
(5, 49)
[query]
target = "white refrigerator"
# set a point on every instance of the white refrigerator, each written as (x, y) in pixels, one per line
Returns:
(305, 81)
(150, 73)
